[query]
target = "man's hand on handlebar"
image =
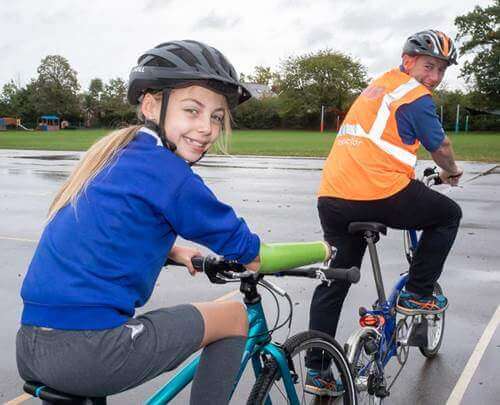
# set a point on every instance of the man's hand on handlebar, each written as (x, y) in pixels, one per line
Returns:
(451, 178)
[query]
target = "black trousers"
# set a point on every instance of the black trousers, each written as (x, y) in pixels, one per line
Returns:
(415, 207)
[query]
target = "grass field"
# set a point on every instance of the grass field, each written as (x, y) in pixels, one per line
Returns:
(476, 146)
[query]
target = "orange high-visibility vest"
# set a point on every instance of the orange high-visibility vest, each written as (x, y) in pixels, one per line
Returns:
(368, 160)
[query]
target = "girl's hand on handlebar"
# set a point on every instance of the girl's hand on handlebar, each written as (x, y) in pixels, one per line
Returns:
(183, 255)
(254, 265)
(451, 178)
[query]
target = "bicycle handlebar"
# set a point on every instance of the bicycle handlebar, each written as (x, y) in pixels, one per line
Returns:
(352, 275)
(431, 176)
(220, 271)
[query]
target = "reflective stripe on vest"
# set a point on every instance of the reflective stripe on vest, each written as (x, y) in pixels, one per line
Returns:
(377, 129)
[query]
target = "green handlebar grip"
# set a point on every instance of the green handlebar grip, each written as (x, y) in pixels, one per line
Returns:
(282, 256)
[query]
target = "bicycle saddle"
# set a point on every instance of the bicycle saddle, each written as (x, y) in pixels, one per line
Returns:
(53, 396)
(357, 227)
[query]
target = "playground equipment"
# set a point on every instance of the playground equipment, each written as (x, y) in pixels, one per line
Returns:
(6, 122)
(48, 123)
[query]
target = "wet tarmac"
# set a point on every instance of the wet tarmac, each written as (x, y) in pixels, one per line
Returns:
(276, 196)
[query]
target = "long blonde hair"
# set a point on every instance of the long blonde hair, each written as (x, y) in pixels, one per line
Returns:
(103, 152)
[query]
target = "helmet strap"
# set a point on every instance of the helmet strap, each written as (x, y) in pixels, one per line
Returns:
(197, 160)
(160, 127)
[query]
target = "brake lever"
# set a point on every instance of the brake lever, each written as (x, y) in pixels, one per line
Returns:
(322, 277)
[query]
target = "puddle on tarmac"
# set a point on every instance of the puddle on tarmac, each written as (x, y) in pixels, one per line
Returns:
(48, 157)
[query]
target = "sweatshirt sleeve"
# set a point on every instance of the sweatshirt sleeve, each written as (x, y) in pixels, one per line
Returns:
(197, 215)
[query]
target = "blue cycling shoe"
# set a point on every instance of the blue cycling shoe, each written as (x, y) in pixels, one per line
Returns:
(414, 304)
(322, 383)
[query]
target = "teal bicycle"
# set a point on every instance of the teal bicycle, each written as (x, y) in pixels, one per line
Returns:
(279, 368)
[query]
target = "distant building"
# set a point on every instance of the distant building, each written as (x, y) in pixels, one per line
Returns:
(259, 91)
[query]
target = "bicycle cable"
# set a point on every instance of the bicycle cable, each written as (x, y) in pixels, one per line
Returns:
(287, 320)
(277, 317)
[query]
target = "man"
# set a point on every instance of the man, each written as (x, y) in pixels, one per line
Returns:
(369, 176)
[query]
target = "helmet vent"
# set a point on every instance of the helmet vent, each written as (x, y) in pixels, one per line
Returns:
(227, 68)
(159, 62)
(185, 55)
(210, 60)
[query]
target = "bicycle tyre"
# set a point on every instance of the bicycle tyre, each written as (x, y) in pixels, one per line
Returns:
(296, 346)
(359, 360)
(435, 326)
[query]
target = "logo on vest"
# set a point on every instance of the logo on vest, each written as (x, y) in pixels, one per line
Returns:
(349, 141)
(373, 92)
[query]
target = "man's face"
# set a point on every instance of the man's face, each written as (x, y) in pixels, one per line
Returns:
(427, 70)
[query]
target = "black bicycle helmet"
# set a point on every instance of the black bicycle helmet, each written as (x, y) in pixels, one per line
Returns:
(432, 43)
(176, 63)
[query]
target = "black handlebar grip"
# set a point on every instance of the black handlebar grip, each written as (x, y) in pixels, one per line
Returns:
(198, 262)
(429, 171)
(351, 275)
(438, 180)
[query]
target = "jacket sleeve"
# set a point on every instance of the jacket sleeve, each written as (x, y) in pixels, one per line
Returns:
(197, 215)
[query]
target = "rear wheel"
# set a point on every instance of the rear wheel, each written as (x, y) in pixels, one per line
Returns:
(435, 330)
(370, 382)
(269, 384)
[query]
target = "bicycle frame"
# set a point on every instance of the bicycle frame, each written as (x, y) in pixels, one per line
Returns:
(385, 308)
(259, 342)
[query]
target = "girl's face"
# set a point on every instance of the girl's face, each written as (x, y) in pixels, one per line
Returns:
(194, 119)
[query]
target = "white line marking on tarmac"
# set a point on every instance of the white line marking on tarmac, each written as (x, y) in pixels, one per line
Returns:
(18, 239)
(227, 296)
(20, 399)
(469, 370)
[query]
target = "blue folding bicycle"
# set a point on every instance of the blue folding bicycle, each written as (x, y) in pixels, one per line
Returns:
(384, 332)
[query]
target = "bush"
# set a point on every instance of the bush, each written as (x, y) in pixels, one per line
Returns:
(258, 114)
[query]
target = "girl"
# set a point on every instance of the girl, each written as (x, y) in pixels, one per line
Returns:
(111, 228)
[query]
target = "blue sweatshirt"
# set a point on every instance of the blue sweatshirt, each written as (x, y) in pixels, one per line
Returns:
(99, 260)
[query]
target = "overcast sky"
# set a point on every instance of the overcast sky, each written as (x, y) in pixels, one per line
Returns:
(103, 38)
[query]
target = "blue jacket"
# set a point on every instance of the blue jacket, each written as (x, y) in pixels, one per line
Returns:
(99, 260)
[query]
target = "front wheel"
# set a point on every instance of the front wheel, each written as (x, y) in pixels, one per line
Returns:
(269, 384)
(435, 330)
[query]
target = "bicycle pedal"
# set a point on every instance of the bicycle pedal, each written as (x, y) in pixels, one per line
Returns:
(418, 336)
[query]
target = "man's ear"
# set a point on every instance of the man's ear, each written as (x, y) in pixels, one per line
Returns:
(409, 62)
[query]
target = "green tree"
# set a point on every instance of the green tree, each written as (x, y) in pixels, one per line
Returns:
(258, 114)
(115, 108)
(19, 102)
(323, 78)
(57, 88)
(8, 99)
(479, 33)
(262, 75)
(92, 102)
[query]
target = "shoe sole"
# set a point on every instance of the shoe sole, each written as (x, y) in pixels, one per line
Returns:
(408, 311)
(322, 392)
